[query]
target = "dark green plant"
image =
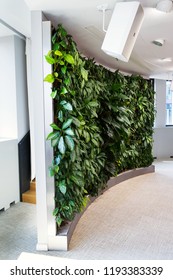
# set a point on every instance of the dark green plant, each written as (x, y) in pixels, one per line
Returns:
(102, 125)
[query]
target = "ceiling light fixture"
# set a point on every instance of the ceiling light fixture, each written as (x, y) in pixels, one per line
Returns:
(158, 42)
(166, 59)
(164, 6)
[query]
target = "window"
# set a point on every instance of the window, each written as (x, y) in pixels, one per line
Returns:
(169, 104)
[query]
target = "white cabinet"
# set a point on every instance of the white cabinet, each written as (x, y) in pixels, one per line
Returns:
(9, 172)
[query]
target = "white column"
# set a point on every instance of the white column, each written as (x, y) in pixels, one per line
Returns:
(48, 120)
(39, 127)
(160, 88)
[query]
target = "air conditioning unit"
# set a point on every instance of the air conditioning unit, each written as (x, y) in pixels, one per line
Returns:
(123, 30)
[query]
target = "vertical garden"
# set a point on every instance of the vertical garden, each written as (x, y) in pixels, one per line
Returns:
(103, 125)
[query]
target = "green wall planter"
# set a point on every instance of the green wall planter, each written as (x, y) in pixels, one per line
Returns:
(103, 125)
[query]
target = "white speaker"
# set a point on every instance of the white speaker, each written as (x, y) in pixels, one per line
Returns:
(123, 29)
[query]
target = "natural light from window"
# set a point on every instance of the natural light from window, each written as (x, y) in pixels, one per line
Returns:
(169, 104)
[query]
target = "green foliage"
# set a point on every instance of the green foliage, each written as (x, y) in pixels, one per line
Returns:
(102, 125)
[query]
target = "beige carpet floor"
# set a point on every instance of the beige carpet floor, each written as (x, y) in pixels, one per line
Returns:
(133, 220)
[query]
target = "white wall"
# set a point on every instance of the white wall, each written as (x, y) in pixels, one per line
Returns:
(9, 187)
(8, 113)
(21, 88)
(163, 136)
(163, 142)
(160, 89)
(14, 121)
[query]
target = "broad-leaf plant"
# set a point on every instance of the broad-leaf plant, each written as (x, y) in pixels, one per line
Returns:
(103, 125)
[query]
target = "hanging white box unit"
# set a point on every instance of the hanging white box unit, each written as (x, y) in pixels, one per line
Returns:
(123, 29)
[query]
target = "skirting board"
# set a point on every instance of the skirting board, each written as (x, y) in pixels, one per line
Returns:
(62, 239)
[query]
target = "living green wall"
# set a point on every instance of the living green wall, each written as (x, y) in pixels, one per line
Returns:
(103, 125)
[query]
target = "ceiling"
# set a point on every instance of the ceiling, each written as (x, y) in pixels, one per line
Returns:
(83, 21)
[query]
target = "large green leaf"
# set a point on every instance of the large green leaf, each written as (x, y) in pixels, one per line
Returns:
(59, 220)
(49, 59)
(54, 126)
(93, 104)
(67, 123)
(63, 43)
(73, 156)
(85, 202)
(69, 131)
(69, 58)
(66, 105)
(51, 171)
(54, 142)
(64, 69)
(56, 168)
(54, 37)
(61, 62)
(62, 31)
(55, 46)
(58, 159)
(78, 180)
(70, 142)
(53, 94)
(55, 211)
(58, 53)
(95, 142)
(49, 78)
(76, 122)
(62, 187)
(56, 74)
(87, 136)
(52, 135)
(84, 74)
(60, 116)
(67, 81)
(82, 122)
(63, 90)
(61, 145)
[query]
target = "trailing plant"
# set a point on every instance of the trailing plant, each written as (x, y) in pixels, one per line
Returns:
(102, 125)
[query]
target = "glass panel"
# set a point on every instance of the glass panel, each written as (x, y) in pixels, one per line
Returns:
(169, 103)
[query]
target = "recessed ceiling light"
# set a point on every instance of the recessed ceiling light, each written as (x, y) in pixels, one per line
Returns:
(158, 42)
(166, 59)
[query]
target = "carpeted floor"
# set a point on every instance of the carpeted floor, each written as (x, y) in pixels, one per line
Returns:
(133, 220)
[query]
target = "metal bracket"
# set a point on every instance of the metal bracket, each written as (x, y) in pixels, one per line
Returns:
(103, 8)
